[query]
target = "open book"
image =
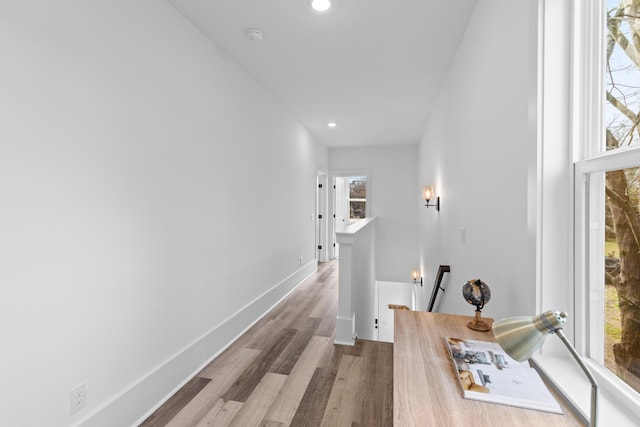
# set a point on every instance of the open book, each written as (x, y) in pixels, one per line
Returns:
(487, 373)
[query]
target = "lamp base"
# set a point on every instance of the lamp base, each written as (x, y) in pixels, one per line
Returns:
(478, 324)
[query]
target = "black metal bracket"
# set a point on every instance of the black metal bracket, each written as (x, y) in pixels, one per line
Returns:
(436, 205)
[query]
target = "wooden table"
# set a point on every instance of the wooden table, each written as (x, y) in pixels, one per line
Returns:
(425, 389)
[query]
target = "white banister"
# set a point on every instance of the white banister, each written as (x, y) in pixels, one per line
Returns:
(356, 282)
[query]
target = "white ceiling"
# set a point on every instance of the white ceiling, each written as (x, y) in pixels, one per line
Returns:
(373, 66)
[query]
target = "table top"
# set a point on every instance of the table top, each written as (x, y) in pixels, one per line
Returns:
(425, 388)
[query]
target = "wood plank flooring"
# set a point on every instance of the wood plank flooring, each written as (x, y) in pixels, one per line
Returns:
(286, 371)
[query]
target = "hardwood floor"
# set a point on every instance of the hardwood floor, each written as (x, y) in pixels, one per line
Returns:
(286, 371)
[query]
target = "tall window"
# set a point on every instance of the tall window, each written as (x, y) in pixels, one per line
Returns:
(622, 213)
(357, 197)
(622, 276)
(611, 184)
(622, 74)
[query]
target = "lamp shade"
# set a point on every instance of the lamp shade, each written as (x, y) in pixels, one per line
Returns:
(428, 192)
(520, 337)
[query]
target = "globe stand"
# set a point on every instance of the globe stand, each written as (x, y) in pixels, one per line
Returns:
(477, 293)
(477, 323)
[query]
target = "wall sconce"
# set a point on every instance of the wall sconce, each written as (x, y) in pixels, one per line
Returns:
(415, 274)
(428, 194)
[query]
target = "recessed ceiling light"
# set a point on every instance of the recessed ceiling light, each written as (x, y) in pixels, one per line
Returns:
(320, 5)
(332, 124)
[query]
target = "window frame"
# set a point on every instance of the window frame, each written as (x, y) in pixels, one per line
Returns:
(591, 159)
(345, 173)
(589, 244)
(358, 199)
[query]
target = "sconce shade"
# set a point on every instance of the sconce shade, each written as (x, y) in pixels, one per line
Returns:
(414, 275)
(522, 336)
(427, 192)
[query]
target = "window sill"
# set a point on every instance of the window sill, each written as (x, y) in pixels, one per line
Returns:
(614, 407)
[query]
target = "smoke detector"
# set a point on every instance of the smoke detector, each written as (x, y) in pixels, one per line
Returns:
(255, 35)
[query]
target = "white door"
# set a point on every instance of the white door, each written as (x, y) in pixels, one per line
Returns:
(320, 218)
(342, 201)
(341, 215)
(395, 294)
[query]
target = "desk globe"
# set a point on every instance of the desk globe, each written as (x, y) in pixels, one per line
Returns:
(476, 292)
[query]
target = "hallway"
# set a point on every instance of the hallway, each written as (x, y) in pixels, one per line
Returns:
(286, 371)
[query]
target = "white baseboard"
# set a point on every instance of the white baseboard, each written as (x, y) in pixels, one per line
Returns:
(134, 404)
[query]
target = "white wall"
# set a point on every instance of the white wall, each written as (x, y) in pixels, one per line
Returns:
(392, 194)
(149, 190)
(478, 153)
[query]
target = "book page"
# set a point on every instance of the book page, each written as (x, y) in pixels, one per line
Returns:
(487, 373)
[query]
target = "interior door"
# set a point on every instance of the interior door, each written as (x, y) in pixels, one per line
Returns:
(341, 216)
(321, 221)
(342, 201)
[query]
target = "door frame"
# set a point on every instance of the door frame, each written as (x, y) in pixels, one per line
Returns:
(344, 173)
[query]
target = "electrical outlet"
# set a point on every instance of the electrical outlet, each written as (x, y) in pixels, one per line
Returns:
(300, 260)
(78, 398)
